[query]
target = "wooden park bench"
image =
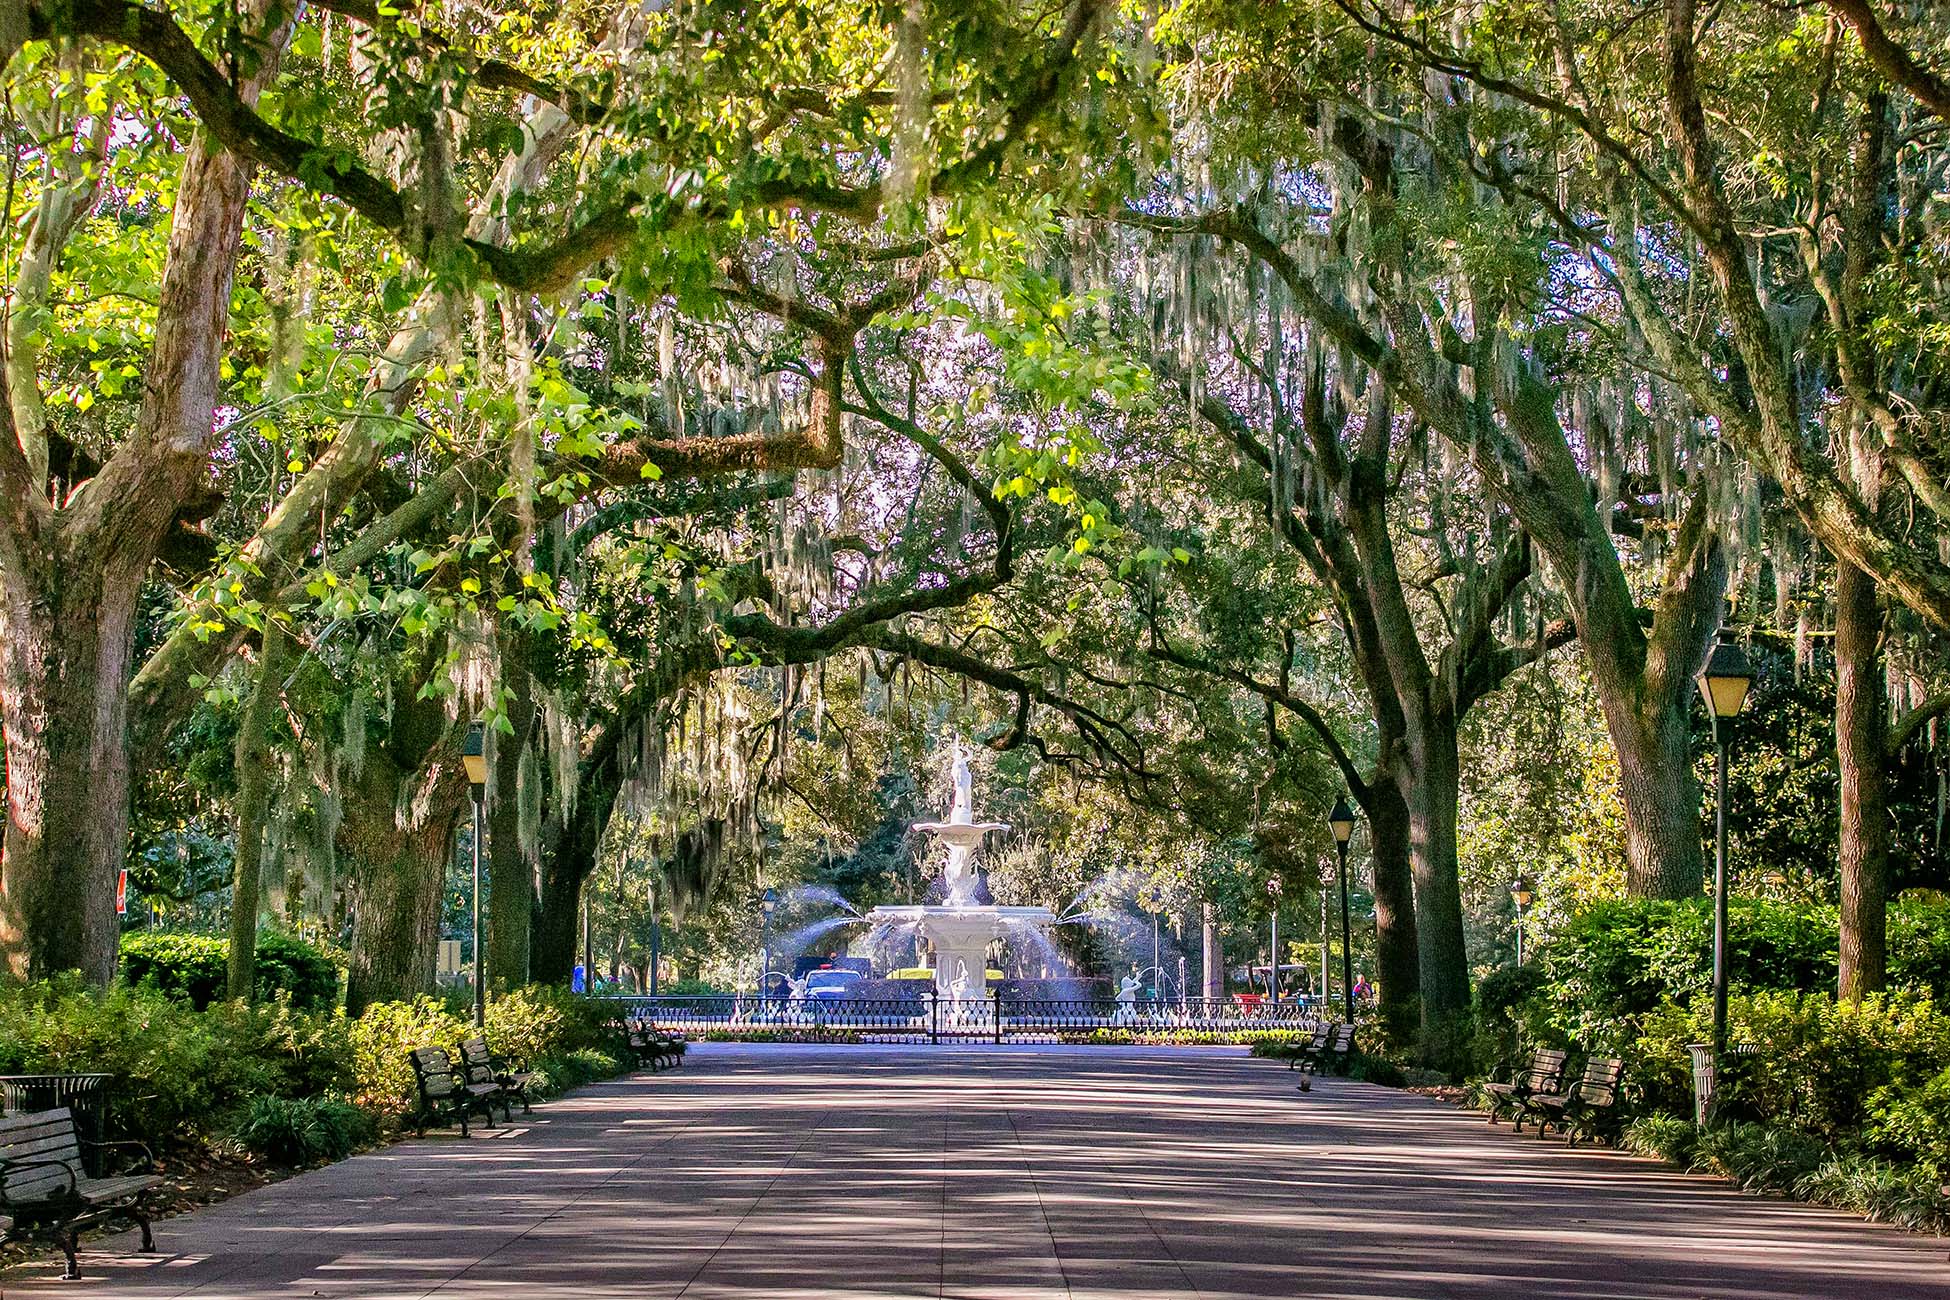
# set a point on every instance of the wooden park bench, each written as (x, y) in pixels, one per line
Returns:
(1545, 1074)
(1323, 1033)
(511, 1085)
(653, 1047)
(1334, 1054)
(1589, 1106)
(44, 1191)
(442, 1092)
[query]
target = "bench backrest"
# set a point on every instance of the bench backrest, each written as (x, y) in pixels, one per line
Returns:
(479, 1061)
(433, 1069)
(1546, 1068)
(1602, 1075)
(40, 1158)
(1343, 1040)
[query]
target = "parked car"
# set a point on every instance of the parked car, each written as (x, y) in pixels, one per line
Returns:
(831, 984)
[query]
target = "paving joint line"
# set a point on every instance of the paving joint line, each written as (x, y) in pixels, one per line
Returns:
(751, 1209)
(573, 1200)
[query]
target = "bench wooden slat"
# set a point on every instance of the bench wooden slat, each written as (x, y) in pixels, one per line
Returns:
(99, 1190)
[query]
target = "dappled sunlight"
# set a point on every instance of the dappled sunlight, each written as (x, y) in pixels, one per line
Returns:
(847, 1171)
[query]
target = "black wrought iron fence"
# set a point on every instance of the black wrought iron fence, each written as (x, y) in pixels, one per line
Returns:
(932, 1019)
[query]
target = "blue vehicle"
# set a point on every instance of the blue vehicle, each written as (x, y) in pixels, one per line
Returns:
(831, 984)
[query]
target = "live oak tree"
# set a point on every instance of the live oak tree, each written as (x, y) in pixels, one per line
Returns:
(657, 141)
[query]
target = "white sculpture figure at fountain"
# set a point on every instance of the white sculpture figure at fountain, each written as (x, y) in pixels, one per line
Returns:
(1127, 1000)
(960, 927)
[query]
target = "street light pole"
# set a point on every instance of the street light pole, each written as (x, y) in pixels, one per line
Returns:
(1157, 971)
(656, 938)
(1341, 821)
(767, 903)
(1273, 958)
(1520, 894)
(1723, 685)
(473, 758)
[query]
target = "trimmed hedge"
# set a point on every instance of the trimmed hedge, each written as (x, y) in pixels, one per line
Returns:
(195, 966)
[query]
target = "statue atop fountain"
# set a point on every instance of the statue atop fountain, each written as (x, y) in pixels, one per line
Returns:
(961, 927)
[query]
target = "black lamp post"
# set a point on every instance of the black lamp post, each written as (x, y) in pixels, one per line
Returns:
(1723, 685)
(1273, 888)
(1341, 820)
(767, 904)
(473, 756)
(656, 938)
(1520, 894)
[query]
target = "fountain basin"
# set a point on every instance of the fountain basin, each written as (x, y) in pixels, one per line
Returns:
(961, 935)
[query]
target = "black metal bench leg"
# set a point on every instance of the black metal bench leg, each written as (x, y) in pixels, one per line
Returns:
(148, 1238)
(70, 1241)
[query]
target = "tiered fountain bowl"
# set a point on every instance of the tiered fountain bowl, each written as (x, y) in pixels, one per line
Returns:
(961, 928)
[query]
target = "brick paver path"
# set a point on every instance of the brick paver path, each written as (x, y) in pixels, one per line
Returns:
(784, 1171)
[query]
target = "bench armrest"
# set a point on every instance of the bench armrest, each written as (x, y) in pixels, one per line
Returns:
(147, 1159)
(8, 1168)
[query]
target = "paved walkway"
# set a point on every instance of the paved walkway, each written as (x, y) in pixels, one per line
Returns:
(1002, 1172)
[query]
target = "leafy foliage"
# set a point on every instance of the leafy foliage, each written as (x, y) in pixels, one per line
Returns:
(193, 966)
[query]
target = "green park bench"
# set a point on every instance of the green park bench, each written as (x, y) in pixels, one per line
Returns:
(44, 1192)
(1545, 1074)
(444, 1094)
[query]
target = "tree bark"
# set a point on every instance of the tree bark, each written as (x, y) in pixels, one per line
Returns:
(400, 882)
(1861, 738)
(69, 619)
(511, 870)
(1398, 971)
(1432, 795)
(1659, 793)
(252, 752)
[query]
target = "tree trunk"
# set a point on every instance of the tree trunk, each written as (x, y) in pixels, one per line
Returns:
(552, 953)
(1432, 794)
(253, 758)
(568, 856)
(64, 668)
(70, 580)
(1397, 959)
(1659, 792)
(1861, 739)
(396, 931)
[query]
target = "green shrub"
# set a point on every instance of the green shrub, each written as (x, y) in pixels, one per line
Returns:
(1668, 1137)
(571, 1069)
(690, 988)
(194, 966)
(1909, 1198)
(1759, 1157)
(174, 1068)
(1375, 1069)
(303, 1130)
(382, 1076)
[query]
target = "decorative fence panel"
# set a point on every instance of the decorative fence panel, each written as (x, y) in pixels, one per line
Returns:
(994, 1019)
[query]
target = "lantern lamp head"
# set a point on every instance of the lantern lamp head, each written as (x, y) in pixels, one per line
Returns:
(473, 755)
(1724, 682)
(1341, 820)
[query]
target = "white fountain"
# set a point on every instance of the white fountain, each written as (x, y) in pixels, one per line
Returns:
(961, 928)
